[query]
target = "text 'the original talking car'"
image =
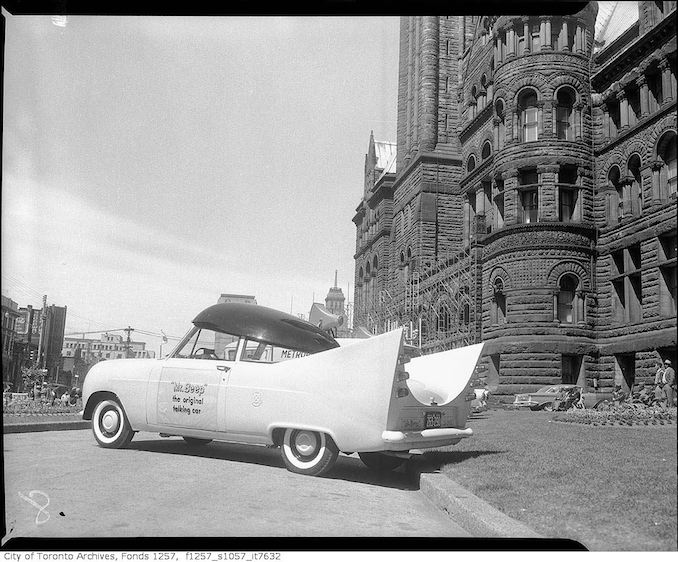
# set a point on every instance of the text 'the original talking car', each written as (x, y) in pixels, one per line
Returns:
(249, 374)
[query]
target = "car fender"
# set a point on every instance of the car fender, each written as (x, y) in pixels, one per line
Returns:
(127, 379)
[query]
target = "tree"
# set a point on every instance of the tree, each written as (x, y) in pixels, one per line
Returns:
(32, 375)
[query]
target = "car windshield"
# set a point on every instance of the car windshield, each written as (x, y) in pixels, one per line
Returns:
(205, 344)
(551, 389)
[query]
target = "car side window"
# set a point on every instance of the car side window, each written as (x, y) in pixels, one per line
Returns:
(266, 353)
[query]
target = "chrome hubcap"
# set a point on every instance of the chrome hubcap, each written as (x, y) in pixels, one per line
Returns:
(110, 421)
(306, 443)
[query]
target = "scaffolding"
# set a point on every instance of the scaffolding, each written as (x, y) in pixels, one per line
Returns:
(437, 302)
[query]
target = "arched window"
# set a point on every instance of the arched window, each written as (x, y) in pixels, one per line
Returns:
(409, 253)
(444, 319)
(566, 299)
(471, 163)
(528, 120)
(498, 302)
(616, 211)
(487, 150)
(501, 124)
(565, 114)
(636, 186)
(465, 315)
(375, 265)
(473, 102)
(666, 153)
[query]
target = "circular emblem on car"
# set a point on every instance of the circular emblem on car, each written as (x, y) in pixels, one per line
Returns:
(257, 399)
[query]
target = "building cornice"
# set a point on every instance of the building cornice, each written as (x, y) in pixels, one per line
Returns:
(634, 52)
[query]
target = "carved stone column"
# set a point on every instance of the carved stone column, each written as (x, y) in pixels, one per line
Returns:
(565, 46)
(623, 109)
(667, 94)
(526, 36)
(510, 43)
(514, 123)
(548, 38)
(606, 122)
(657, 195)
(577, 117)
(641, 82)
(540, 119)
(495, 132)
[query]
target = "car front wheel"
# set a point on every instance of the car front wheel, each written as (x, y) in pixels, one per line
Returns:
(548, 407)
(308, 452)
(110, 426)
(380, 461)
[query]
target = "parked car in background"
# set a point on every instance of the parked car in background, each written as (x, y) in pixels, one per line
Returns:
(287, 384)
(544, 398)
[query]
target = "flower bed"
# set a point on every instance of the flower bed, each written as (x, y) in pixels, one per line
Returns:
(621, 414)
(30, 407)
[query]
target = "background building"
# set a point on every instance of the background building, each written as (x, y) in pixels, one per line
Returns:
(79, 354)
(38, 340)
(10, 313)
(533, 204)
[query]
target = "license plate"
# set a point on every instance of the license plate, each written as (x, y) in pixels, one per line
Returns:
(432, 420)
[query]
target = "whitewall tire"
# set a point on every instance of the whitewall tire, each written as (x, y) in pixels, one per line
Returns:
(110, 426)
(308, 452)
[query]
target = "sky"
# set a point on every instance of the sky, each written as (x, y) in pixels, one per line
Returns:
(151, 164)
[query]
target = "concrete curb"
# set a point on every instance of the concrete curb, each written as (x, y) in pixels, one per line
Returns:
(46, 426)
(475, 515)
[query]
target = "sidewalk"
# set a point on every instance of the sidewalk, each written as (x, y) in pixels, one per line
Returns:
(43, 422)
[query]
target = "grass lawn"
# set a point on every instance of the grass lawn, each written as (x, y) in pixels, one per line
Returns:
(610, 488)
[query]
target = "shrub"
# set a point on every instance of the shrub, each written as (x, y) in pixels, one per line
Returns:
(624, 414)
(27, 407)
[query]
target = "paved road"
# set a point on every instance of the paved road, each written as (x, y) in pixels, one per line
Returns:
(161, 487)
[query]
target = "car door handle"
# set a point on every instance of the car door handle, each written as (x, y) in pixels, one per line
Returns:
(223, 368)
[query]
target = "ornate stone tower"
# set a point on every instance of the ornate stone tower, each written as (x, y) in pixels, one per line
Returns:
(334, 301)
(538, 189)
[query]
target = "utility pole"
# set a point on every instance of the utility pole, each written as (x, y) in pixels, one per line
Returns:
(127, 352)
(41, 341)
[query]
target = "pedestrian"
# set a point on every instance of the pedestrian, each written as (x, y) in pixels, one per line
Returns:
(668, 382)
(53, 396)
(65, 397)
(659, 374)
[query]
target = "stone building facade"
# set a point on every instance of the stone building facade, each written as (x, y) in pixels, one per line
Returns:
(533, 204)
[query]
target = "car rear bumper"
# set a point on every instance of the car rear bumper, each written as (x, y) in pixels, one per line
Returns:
(424, 438)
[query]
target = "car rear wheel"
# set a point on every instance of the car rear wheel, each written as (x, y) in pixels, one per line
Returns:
(110, 425)
(380, 461)
(196, 441)
(308, 452)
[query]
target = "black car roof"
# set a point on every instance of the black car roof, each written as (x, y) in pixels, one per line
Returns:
(266, 325)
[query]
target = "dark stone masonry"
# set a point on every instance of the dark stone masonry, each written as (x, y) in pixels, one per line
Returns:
(529, 200)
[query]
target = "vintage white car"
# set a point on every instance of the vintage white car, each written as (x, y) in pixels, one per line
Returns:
(250, 374)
